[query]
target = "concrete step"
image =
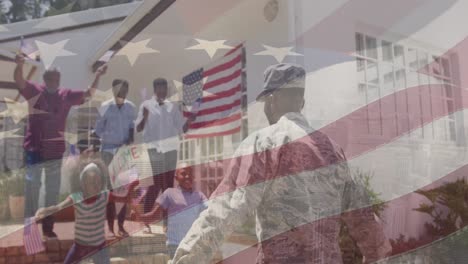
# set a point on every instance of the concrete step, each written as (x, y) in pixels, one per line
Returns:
(142, 259)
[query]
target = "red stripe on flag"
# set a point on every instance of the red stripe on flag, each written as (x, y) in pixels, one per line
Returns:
(226, 66)
(220, 81)
(216, 122)
(234, 50)
(217, 134)
(413, 200)
(220, 108)
(222, 94)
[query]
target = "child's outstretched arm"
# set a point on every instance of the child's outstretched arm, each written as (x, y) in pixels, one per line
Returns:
(149, 217)
(126, 198)
(43, 212)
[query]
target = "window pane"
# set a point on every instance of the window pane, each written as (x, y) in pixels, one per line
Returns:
(436, 67)
(413, 59)
(245, 128)
(399, 54)
(219, 145)
(387, 51)
(453, 132)
(446, 67)
(372, 72)
(371, 47)
(203, 147)
(211, 146)
(372, 93)
(448, 90)
(387, 71)
(192, 149)
(187, 149)
(412, 79)
(360, 64)
(359, 44)
(450, 107)
(362, 87)
(440, 131)
(204, 172)
(400, 79)
(423, 60)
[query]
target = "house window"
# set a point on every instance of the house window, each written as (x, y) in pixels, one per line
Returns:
(384, 67)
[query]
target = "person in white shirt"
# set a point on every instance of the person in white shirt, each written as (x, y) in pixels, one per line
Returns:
(115, 128)
(162, 123)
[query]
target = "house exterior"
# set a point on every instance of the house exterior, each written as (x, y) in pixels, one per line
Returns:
(357, 55)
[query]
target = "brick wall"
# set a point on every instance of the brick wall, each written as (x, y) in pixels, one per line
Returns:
(138, 249)
(55, 253)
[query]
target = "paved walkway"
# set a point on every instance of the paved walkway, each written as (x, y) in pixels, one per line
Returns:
(138, 248)
(11, 233)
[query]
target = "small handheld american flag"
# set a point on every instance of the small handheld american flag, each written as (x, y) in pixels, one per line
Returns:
(28, 50)
(214, 94)
(32, 237)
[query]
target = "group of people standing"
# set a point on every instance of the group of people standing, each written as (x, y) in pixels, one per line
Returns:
(160, 121)
(288, 174)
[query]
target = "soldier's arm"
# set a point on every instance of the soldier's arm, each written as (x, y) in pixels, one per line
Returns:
(234, 199)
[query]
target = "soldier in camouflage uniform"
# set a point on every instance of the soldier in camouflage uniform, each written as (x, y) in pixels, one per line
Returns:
(297, 183)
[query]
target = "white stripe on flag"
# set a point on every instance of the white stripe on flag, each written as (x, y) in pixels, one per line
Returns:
(225, 59)
(225, 73)
(220, 102)
(218, 115)
(214, 129)
(32, 237)
(224, 86)
(223, 76)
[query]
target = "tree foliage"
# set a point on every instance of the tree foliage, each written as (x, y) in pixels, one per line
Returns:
(12, 11)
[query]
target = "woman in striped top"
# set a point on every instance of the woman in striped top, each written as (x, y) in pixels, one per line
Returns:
(90, 213)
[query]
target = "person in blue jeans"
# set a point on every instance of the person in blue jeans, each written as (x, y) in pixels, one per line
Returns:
(115, 128)
(183, 205)
(44, 142)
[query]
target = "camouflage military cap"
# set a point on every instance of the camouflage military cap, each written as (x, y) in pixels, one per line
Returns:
(282, 76)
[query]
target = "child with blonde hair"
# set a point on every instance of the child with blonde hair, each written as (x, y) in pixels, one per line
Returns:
(90, 213)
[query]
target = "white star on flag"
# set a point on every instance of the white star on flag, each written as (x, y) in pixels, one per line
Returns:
(123, 42)
(10, 134)
(178, 85)
(278, 53)
(101, 96)
(49, 52)
(19, 111)
(211, 47)
(133, 50)
(107, 56)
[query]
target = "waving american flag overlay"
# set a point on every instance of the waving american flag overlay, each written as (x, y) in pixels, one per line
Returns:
(214, 92)
(386, 80)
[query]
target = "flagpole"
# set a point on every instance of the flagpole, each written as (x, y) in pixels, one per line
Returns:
(89, 122)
